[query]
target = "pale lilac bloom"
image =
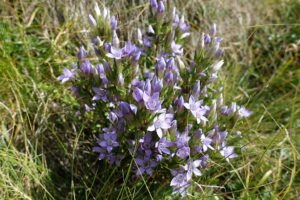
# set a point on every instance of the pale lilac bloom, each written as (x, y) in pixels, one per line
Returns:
(192, 168)
(163, 146)
(182, 139)
(182, 25)
(66, 75)
(176, 48)
(232, 108)
(228, 152)
(179, 180)
(193, 105)
(152, 102)
(112, 116)
(161, 122)
(129, 49)
(243, 112)
(206, 143)
(115, 53)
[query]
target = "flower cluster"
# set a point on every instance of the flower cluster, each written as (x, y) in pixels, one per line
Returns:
(156, 103)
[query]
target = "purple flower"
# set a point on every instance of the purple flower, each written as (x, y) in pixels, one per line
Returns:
(182, 139)
(129, 49)
(146, 142)
(161, 122)
(193, 105)
(152, 102)
(67, 75)
(101, 94)
(217, 136)
(102, 152)
(126, 109)
(147, 42)
(145, 165)
(115, 53)
(109, 140)
(183, 152)
(228, 152)
(115, 159)
(243, 112)
(192, 168)
(163, 146)
(182, 25)
(196, 109)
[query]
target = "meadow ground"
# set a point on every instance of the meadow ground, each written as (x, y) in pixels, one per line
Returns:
(45, 152)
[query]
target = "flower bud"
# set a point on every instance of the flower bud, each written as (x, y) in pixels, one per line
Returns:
(86, 67)
(81, 55)
(196, 90)
(97, 10)
(161, 7)
(113, 23)
(213, 30)
(92, 20)
(115, 39)
(120, 80)
(216, 66)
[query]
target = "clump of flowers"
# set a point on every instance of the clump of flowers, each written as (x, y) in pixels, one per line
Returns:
(157, 102)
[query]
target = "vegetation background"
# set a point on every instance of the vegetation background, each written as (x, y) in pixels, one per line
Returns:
(45, 151)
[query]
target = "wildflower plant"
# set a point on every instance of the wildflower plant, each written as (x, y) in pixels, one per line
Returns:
(158, 105)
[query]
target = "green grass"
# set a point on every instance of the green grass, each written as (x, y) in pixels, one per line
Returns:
(45, 152)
